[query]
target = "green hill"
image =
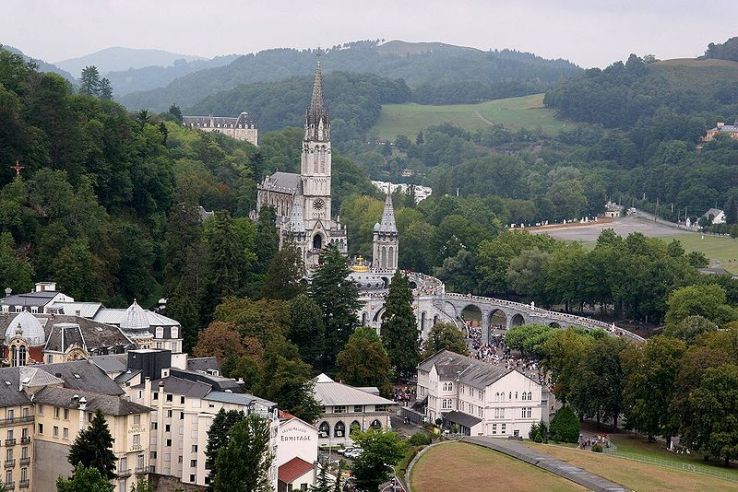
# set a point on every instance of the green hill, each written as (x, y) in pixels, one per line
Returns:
(514, 113)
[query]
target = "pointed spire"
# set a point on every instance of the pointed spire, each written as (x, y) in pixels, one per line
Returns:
(388, 216)
(316, 117)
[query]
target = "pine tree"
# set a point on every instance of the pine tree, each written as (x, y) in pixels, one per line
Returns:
(243, 464)
(284, 274)
(93, 447)
(105, 90)
(322, 485)
(266, 238)
(176, 112)
(218, 438)
(306, 328)
(399, 328)
(225, 262)
(90, 81)
(337, 296)
(731, 211)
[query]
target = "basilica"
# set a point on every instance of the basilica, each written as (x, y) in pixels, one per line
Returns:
(303, 201)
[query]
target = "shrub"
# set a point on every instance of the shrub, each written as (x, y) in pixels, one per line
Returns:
(538, 432)
(597, 448)
(420, 438)
(565, 426)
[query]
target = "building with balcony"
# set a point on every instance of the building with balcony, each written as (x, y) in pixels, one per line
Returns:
(346, 408)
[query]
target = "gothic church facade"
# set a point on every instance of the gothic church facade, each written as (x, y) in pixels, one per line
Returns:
(302, 202)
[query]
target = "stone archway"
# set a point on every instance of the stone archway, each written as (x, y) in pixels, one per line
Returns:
(517, 320)
(471, 316)
(497, 320)
(554, 324)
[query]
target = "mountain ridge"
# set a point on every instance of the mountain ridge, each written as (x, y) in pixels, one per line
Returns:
(118, 58)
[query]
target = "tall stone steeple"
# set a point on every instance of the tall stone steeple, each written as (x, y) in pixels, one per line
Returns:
(386, 240)
(315, 163)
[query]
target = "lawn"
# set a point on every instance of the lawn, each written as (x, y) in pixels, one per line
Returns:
(514, 113)
(641, 476)
(459, 467)
(722, 249)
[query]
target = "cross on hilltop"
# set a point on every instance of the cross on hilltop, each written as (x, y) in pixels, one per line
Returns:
(17, 168)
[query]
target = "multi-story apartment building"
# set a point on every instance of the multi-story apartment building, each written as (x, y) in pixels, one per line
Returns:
(345, 408)
(480, 398)
(45, 407)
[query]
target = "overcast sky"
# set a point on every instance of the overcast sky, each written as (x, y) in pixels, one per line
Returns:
(587, 32)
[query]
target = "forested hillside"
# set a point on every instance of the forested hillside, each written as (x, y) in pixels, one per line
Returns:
(723, 51)
(107, 202)
(355, 101)
(41, 65)
(438, 73)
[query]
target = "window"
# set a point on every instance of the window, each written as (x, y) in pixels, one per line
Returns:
(182, 400)
(40, 428)
(140, 461)
(154, 425)
(192, 478)
(525, 396)
(56, 412)
(10, 413)
(56, 431)
(169, 443)
(358, 409)
(65, 433)
(24, 452)
(339, 409)
(136, 420)
(530, 395)
(9, 454)
(66, 414)
(24, 474)
(193, 463)
(494, 428)
(9, 476)
(516, 395)
(140, 395)
(123, 464)
(167, 428)
(461, 388)
(156, 396)
(174, 332)
(194, 448)
(503, 430)
(136, 439)
(181, 415)
(169, 414)
(169, 397)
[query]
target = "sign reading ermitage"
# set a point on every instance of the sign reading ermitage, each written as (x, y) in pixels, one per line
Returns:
(286, 438)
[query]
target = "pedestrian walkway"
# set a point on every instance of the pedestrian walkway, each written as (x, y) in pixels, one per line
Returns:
(517, 450)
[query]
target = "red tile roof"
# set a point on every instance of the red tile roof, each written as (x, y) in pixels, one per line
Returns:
(294, 469)
(284, 415)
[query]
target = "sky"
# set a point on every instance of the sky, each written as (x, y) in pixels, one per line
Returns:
(586, 32)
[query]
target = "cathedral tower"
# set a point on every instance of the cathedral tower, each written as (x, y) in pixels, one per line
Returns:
(386, 241)
(315, 163)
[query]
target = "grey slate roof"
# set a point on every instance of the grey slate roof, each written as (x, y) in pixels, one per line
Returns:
(281, 181)
(331, 393)
(237, 398)
(452, 366)
(85, 309)
(109, 405)
(111, 363)
(30, 298)
(218, 383)
(213, 121)
(203, 364)
(10, 394)
(462, 418)
(178, 386)
(83, 375)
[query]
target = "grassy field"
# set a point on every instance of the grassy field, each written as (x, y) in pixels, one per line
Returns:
(513, 113)
(637, 475)
(458, 467)
(722, 249)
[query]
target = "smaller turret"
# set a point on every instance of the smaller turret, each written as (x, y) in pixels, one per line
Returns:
(386, 241)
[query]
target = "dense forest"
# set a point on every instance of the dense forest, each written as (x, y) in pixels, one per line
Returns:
(723, 51)
(355, 101)
(438, 73)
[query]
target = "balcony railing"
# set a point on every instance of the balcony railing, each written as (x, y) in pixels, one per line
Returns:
(9, 463)
(9, 485)
(24, 484)
(124, 473)
(16, 420)
(26, 440)
(25, 461)
(143, 470)
(10, 442)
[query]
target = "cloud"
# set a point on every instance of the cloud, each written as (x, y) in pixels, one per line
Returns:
(590, 33)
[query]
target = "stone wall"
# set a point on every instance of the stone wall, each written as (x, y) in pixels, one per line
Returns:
(166, 483)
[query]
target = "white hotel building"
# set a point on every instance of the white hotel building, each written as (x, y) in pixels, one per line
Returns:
(482, 399)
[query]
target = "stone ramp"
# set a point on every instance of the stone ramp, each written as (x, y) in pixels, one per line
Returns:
(516, 450)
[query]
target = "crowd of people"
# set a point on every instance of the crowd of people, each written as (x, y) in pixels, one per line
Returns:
(404, 393)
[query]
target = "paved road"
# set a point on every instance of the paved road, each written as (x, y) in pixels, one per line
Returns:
(516, 450)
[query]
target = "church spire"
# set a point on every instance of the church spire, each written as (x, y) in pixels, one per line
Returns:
(316, 117)
(297, 222)
(388, 216)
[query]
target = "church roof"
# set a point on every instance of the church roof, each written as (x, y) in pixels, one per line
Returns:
(388, 217)
(280, 181)
(26, 326)
(241, 121)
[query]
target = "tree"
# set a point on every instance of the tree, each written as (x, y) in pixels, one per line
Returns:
(529, 339)
(266, 238)
(84, 479)
(243, 464)
(399, 327)
(306, 328)
(690, 328)
(175, 111)
(218, 437)
(89, 84)
(381, 451)
(105, 90)
(15, 271)
(218, 340)
(364, 361)
(444, 336)
(284, 275)
(76, 270)
(708, 301)
(322, 483)
(564, 426)
(715, 407)
(93, 447)
(142, 485)
(650, 370)
(225, 260)
(562, 352)
(731, 211)
(337, 296)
